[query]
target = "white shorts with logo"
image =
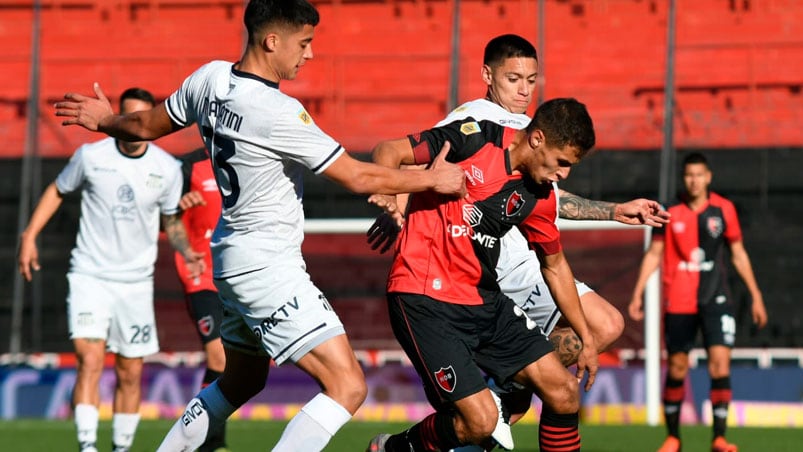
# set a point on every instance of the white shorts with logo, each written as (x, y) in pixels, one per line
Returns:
(121, 313)
(276, 312)
(527, 288)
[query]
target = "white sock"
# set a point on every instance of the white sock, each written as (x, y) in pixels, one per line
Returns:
(86, 423)
(469, 448)
(124, 426)
(208, 410)
(311, 429)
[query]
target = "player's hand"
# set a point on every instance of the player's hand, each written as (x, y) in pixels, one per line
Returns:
(191, 199)
(28, 258)
(449, 178)
(634, 309)
(382, 234)
(588, 361)
(641, 212)
(194, 261)
(389, 205)
(85, 111)
(759, 311)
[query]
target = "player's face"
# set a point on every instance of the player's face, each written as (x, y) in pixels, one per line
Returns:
(696, 178)
(512, 83)
(293, 49)
(550, 163)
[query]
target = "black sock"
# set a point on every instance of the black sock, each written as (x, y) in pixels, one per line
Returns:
(720, 400)
(674, 393)
(558, 432)
(435, 432)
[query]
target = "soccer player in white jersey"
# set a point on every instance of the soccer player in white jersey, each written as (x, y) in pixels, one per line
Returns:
(125, 188)
(260, 141)
(510, 68)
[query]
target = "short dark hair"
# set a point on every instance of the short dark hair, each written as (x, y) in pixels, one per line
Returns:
(138, 94)
(507, 46)
(565, 122)
(292, 13)
(695, 157)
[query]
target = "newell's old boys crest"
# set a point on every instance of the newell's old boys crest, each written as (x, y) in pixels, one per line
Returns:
(206, 324)
(714, 225)
(446, 378)
(514, 204)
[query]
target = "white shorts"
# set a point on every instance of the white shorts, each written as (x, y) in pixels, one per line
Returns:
(539, 305)
(276, 312)
(121, 313)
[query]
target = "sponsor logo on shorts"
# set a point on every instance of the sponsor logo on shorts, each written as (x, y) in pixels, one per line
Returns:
(206, 324)
(284, 312)
(194, 410)
(446, 378)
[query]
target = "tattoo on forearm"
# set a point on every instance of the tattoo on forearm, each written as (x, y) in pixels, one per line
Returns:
(573, 207)
(176, 234)
(567, 345)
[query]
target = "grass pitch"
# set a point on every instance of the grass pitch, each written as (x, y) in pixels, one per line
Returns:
(44, 435)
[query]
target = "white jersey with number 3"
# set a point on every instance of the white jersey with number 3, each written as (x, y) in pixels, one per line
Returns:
(261, 142)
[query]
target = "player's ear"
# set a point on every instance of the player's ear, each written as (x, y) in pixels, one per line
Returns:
(536, 138)
(487, 74)
(270, 42)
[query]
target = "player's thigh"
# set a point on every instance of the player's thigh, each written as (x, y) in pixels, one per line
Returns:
(333, 365)
(132, 332)
(89, 307)
(276, 312)
(440, 350)
(680, 332)
(206, 312)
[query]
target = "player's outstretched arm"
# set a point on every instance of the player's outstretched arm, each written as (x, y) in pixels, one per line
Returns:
(28, 254)
(636, 212)
(96, 114)
(649, 263)
(370, 178)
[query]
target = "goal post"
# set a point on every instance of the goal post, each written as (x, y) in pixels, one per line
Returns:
(600, 237)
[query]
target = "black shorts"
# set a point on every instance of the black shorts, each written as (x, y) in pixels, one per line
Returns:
(206, 311)
(716, 321)
(449, 343)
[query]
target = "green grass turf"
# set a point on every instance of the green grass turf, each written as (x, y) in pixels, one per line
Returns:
(42, 435)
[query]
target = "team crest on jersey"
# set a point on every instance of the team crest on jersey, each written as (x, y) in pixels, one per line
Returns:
(472, 215)
(514, 204)
(206, 324)
(714, 225)
(446, 378)
(305, 117)
(125, 193)
(470, 128)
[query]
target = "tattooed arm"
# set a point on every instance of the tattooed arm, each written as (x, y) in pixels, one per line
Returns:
(636, 212)
(177, 236)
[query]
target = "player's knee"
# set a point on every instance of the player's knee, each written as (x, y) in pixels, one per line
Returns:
(565, 399)
(610, 330)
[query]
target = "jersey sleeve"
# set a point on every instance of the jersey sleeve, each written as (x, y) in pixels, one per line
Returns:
(466, 136)
(540, 228)
(179, 105)
(72, 177)
(296, 136)
(733, 231)
(168, 203)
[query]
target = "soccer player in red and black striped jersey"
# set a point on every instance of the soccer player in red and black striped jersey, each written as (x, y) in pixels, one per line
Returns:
(201, 204)
(696, 294)
(446, 308)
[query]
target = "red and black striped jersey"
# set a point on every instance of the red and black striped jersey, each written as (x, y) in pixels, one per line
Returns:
(694, 267)
(448, 247)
